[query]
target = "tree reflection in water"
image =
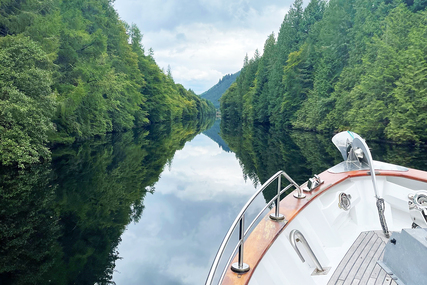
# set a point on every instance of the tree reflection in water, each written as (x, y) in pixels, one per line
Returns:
(61, 223)
(263, 151)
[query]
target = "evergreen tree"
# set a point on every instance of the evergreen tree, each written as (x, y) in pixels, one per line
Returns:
(103, 80)
(26, 101)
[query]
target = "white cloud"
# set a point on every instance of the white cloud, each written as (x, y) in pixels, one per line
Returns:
(186, 218)
(206, 165)
(183, 73)
(207, 54)
(197, 151)
(203, 40)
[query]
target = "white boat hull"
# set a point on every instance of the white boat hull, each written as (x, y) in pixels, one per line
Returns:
(329, 229)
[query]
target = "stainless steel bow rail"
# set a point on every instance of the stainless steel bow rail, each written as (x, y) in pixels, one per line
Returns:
(240, 266)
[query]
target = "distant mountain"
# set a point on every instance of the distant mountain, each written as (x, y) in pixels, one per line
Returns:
(215, 92)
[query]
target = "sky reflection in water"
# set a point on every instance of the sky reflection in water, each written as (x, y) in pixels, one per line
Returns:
(195, 201)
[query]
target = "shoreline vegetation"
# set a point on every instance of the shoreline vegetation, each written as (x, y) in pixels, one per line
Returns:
(338, 65)
(72, 70)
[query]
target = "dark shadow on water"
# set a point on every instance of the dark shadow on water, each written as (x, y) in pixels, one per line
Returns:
(61, 222)
(214, 134)
(263, 151)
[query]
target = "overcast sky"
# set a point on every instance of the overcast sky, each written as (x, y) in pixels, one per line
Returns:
(203, 40)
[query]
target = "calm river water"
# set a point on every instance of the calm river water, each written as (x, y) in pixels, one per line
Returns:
(150, 206)
(195, 201)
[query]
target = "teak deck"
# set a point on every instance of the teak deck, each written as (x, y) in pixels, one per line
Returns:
(359, 265)
(267, 231)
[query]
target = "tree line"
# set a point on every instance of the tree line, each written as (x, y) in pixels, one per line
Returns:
(337, 65)
(71, 70)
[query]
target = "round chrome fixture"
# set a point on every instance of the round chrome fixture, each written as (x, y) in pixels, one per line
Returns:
(240, 269)
(420, 199)
(344, 201)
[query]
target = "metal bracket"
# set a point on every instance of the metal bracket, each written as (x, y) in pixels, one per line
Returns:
(313, 183)
(324, 272)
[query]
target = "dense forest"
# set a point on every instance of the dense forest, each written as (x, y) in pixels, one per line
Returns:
(336, 65)
(71, 70)
(215, 92)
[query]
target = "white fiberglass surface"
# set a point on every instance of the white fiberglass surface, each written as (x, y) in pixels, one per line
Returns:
(330, 230)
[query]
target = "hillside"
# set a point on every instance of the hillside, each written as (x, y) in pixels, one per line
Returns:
(338, 65)
(216, 91)
(72, 70)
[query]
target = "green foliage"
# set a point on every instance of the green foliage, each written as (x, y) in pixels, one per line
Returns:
(237, 101)
(95, 62)
(26, 101)
(298, 81)
(357, 65)
(260, 98)
(408, 116)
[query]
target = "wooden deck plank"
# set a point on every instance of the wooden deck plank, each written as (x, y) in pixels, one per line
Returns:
(359, 265)
(373, 263)
(387, 280)
(360, 259)
(355, 256)
(370, 258)
(344, 261)
(381, 277)
(375, 273)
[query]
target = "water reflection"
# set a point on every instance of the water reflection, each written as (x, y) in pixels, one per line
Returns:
(263, 151)
(161, 199)
(214, 134)
(184, 221)
(62, 223)
(28, 226)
